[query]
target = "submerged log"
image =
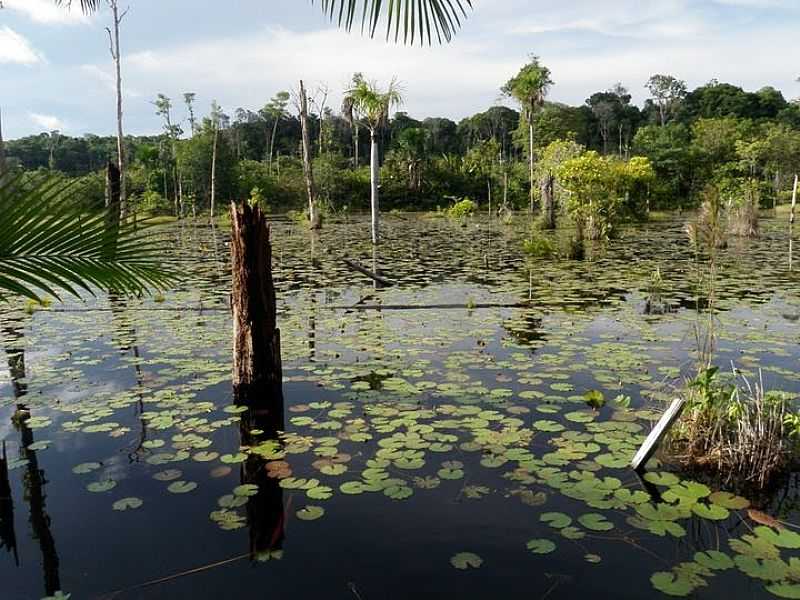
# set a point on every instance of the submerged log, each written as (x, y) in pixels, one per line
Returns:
(357, 267)
(257, 369)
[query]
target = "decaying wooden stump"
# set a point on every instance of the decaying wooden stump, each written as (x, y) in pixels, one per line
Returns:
(257, 370)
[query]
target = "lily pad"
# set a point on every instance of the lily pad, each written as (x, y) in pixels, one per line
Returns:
(466, 560)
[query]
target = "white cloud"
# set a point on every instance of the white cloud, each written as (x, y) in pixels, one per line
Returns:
(47, 122)
(107, 80)
(247, 70)
(15, 48)
(47, 12)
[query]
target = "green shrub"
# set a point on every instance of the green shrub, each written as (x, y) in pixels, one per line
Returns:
(538, 246)
(462, 209)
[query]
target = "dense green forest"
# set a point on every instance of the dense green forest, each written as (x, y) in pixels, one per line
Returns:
(742, 142)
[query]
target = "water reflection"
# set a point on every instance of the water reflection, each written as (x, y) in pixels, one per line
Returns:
(33, 478)
(265, 511)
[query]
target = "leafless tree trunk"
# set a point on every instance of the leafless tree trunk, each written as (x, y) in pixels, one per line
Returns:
(315, 222)
(214, 170)
(113, 37)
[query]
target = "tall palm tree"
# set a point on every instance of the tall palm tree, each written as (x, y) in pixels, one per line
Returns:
(529, 88)
(367, 103)
(416, 20)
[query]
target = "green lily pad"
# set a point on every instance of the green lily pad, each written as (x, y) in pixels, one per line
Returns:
(595, 522)
(541, 546)
(245, 490)
(729, 501)
(84, 468)
(128, 504)
(466, 560)
(99, 487)
(664, 479)
(310, 513)
(715, 560)
(556, 520)
(182, 487)
(783, 538)
(785, 590)
(712, 512)
(232, 459)
(671, 584)
(320, 492)
(168, 475)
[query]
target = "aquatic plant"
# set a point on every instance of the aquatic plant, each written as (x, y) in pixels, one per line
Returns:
(739, 430)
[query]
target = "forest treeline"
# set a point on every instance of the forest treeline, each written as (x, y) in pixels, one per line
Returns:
(740, 141)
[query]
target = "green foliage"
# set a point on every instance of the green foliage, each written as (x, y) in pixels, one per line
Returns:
(462, 209)
(538, 246)
(530, 86)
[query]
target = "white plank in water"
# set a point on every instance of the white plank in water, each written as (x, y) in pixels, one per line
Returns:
(659, 431)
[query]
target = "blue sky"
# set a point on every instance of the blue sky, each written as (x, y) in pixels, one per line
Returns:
(56, 72)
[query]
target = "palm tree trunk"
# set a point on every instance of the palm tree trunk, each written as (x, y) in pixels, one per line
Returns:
(530, 150)
(374, 180)
(355, 146)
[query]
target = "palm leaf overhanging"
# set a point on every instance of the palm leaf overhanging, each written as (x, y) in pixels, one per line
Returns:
(86, 5)
(415, 19)
(50, 244)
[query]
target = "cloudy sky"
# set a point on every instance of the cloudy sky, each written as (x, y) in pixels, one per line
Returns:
(56, 72)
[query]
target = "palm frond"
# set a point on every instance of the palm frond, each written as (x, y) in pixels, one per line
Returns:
(50, 244)
(414, 19)
(87, 6)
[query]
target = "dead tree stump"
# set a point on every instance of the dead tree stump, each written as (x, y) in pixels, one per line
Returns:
(257, 369)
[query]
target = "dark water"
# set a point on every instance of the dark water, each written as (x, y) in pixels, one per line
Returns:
(426, 432)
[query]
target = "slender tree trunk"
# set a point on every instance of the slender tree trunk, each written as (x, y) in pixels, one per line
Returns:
(533, 174)
(257, 369)
(3, 165)
(116, 55)
(548, 203)
(794, 201)
(374, 181)
(272, 142)
(180, 192)
(214, 171)
(355, 147)
(314, 219)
